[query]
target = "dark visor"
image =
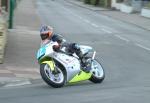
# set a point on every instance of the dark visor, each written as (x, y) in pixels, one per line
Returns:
(44, 36)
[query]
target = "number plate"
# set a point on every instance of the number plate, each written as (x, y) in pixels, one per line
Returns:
(41, 52)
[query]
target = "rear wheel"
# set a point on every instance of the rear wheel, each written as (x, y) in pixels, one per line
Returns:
(97, 71)
(55, 80)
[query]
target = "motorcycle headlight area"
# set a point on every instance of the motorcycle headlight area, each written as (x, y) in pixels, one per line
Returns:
(88, 54)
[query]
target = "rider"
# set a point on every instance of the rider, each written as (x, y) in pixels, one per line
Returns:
(47, 35)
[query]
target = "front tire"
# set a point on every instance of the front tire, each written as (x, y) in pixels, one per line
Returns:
(55, 80)
(97, 71)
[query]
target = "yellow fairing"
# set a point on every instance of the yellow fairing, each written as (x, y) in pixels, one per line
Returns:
(51, 64)
(81, 76)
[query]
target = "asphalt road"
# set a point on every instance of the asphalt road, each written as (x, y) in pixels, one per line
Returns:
(122, 48)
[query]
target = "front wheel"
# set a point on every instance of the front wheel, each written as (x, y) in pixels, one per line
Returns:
(54, 80)
(97, 71)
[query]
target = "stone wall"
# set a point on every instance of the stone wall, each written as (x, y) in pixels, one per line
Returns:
(3, 32)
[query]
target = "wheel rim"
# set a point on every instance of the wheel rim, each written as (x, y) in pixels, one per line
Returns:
(56, 78)
(97, 69)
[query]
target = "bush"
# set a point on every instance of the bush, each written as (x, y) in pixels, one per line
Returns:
(148, 5)
(102, 3)
(94, 2)
(120, 1)
(87, 1)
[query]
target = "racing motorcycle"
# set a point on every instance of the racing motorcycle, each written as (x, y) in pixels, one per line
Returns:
(60, 68)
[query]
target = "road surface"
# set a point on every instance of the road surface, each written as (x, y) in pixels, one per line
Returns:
(122, 48)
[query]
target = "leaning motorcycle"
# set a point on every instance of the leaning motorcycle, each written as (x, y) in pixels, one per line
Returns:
(60, 68)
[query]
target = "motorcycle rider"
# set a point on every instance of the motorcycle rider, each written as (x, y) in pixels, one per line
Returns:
(47, 35)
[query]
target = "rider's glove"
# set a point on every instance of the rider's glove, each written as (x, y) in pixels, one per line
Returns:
(75, 46)
(56, 48)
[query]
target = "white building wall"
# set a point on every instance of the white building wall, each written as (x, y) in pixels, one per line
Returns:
(116, 5)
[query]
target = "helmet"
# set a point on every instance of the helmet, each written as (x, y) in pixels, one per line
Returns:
(46, 32)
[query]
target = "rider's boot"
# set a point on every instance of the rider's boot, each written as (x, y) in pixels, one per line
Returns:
(86, 66)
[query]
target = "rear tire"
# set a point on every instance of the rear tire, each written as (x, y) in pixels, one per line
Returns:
(98, 73)
(48, 76)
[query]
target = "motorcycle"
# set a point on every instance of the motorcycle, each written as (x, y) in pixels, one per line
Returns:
(60, 68)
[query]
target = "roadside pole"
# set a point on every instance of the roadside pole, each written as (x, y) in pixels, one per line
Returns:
(11, 13)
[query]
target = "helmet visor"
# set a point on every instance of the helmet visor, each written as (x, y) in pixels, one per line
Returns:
(44, 36)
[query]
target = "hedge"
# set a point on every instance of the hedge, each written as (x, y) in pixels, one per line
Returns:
(148, 5)
(96, 2)
(87, 1)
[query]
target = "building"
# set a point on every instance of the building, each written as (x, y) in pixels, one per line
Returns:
(116, 4)
(132, 6)
(135, 5)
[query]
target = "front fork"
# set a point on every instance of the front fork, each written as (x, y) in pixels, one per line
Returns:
(93, 57)
(52, 66)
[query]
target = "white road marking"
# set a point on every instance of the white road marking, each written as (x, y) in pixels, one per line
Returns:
(21, 83)
(87, 21)
(30, 76)
(80, 17)
(23, 70)
(5, 71)
(24, 31)
(122, 38)
(110, 28)
(106, 30)
(141, 46)
(94, 25)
